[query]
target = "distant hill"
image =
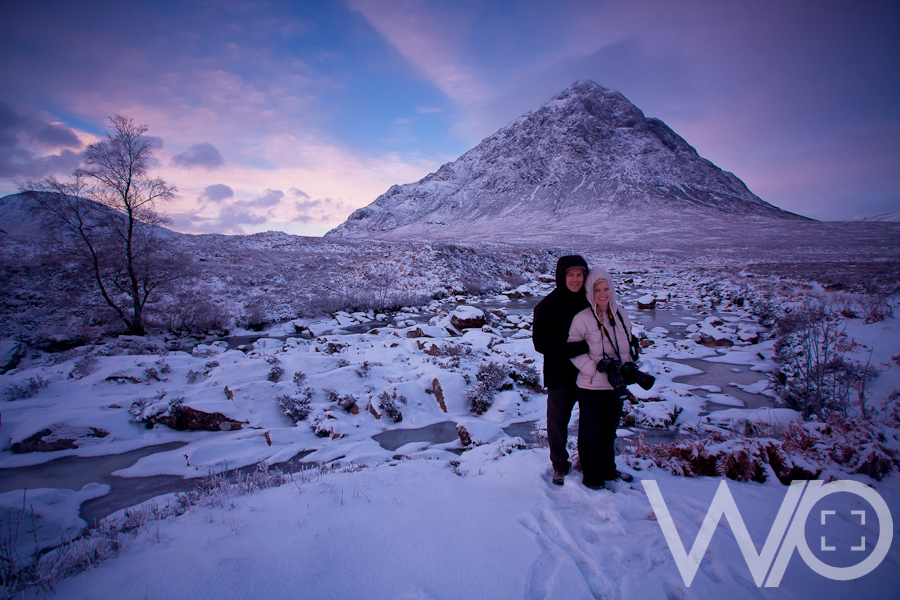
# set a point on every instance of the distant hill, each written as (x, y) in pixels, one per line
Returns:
(891, 217)
(586, 161)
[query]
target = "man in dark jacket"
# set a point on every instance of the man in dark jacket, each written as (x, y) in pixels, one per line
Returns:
(552, 319)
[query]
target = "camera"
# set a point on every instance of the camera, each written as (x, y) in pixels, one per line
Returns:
(620, 376)
(631, 374)
(612, 367)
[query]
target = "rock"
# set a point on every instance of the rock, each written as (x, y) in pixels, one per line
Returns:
(335, 347)
(58, 437)
(186, 418)
(415, 333)
(429, 349)
(268, 344)
(374, 411)
(467, 317)
(438, 393)
(476, 433)
(343, 319)
(122, 378)
(10, 354)
(715, 342)
(647, 301)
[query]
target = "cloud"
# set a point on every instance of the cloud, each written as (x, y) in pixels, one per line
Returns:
(202, 155)
(432, 36)
(29, 126)
(33, 146)
(219, 216)
(320, 211)
(216, 193)
(270, 198)
(233, 216)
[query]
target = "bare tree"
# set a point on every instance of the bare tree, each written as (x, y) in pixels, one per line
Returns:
(108, 209)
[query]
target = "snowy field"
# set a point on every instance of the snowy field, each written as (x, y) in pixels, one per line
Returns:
(472, 515)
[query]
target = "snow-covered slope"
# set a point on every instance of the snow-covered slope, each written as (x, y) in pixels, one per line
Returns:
(891, 217)
(586, 155)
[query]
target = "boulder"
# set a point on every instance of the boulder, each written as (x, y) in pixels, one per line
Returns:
(714, 341)
(186, 418)
(473, 432)
(647, 301)
(58, 437)
(467, 317)
(11, 353)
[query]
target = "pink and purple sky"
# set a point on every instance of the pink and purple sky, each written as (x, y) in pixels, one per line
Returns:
(289, 115)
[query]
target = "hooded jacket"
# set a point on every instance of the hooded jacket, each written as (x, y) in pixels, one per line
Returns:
(613, 343)
(550, 330)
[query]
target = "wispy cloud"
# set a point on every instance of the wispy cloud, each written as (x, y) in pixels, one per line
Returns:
(432, 36)
(343, 100)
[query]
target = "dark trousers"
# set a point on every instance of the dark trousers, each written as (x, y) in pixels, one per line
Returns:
(560, 403)
(599, 413)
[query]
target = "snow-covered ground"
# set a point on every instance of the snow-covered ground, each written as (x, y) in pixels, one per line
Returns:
(413, 528)
(428, 519)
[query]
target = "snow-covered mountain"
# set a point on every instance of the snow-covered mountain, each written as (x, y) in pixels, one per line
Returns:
(586, 156)
(891, 217)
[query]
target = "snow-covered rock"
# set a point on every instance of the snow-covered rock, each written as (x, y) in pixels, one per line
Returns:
(467, 317)
(11, 353)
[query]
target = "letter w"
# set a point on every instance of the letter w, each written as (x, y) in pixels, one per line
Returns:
(723, 504)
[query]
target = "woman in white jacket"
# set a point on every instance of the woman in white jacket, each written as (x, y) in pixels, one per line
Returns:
(607, 331)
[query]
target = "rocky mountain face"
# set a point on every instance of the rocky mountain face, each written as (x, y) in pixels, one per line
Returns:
(588, 155)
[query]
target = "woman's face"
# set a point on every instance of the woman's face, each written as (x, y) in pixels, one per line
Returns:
(602, 293)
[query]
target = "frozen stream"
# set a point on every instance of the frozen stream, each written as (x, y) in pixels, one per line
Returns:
(73, 472)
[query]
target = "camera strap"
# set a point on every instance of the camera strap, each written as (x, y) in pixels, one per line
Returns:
(611, 339)
(633, 345)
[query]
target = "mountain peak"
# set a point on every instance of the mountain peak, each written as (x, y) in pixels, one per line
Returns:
(587, 152)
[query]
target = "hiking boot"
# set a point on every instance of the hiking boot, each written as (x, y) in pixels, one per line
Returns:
(559, 478)
(594, 485)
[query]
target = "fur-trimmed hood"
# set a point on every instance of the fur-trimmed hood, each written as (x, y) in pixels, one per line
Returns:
(593, 275)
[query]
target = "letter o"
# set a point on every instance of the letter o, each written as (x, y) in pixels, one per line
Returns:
(885, 529)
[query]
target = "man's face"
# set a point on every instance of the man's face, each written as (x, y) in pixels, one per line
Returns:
(575, 279)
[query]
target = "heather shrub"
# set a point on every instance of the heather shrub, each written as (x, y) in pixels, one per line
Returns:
(193, 376)
(84, 366)
(347, 401)
(815, 376)
(26, 388)
(490, 378)
(194, 314)
(295, 406)
(797, 451)
(275, 373)
(526, 374)
(388, 400)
